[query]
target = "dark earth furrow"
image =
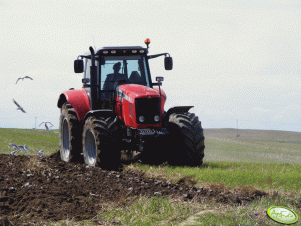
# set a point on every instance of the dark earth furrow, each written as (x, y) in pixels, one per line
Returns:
(47, 189)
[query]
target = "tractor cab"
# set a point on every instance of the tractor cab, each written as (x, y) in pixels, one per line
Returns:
(119, 65)
(115, 66)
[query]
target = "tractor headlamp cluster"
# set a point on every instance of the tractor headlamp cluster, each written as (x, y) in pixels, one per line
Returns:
(123, 51)
(142, 119)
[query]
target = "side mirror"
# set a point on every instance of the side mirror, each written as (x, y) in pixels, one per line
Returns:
(78, 66)
(168, 63)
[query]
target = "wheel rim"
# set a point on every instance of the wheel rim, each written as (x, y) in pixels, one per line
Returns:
(90, 148)
(66, 142)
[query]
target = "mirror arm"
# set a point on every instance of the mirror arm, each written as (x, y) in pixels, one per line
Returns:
(83, 56)
(157, 55)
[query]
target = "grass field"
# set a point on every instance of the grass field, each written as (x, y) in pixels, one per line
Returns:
(252, 146)
(35, 140)
(267, 160)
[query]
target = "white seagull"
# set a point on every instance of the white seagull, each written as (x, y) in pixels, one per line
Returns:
(40, 153)
(13, 153)
(22, 148)
(23, 78)
(14, 146)
(25, 148)
(19, 107)
(47, 128)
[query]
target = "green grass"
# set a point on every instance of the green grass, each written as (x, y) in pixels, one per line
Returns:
(273, 176)
(35, 140)
(146, 211)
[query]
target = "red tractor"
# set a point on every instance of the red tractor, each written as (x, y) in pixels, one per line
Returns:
(120, 109)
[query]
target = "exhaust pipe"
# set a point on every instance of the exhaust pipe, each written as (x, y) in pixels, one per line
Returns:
(93, 74)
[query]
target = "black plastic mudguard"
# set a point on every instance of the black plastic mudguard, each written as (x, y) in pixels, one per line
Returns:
(177, 109)
(100, 113)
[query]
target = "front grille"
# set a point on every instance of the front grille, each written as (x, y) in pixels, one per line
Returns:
(148, 108)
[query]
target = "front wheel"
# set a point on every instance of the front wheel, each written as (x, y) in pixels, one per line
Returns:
(186, 133)
(101, 143)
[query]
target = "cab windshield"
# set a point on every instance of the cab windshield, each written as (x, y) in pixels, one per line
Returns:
(123, 70)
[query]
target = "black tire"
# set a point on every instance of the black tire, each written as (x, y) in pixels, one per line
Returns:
(70, 133)
(101, 143)
(187, 139)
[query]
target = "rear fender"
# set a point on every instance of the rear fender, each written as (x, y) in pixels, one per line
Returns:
(78, 99)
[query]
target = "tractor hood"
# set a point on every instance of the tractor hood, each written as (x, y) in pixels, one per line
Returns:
(133, 91)
(133, 101)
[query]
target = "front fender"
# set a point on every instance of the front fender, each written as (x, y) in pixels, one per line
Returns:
(78, 99)
(177, 109)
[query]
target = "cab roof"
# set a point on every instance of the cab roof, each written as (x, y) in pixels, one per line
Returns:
(120, 50)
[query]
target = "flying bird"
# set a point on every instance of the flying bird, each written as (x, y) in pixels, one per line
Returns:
(23, 78)
(47, 128)
(19, 107)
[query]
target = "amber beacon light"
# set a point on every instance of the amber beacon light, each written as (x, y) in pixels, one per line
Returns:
(147, 41)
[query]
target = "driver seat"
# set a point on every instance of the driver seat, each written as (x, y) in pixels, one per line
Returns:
(135, 78)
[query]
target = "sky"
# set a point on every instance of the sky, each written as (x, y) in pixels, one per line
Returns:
(237, 62)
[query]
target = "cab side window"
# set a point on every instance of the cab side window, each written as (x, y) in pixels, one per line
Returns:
(87, 71)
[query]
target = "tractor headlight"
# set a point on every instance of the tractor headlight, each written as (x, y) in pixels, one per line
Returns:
(141, 119)
(157, 118)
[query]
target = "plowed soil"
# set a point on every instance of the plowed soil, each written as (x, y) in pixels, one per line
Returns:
(45, 189)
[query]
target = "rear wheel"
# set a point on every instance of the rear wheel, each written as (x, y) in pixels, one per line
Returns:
(186, 133)
(70, 132)
(101, 143)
